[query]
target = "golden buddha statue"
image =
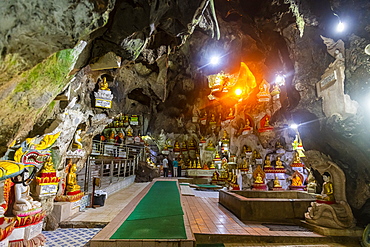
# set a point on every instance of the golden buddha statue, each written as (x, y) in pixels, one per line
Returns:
(277, 183)
(245, 163)
(129, 131)
(327, 193)
(267, 122)
(210, 146)
(104, 84)
(234, 179)
(267, 162)
(296, 159)
(279, 163)
(231, 114)
(177, 146)
(212, 166)
(72, 185)
(224, 164)
(215, 176)
(48, 166)
(198, 165)
(296, 181)
(259, 179)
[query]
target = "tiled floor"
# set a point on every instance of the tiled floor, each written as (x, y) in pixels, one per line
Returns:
(205, 216)
(113, 205)
(68, 237)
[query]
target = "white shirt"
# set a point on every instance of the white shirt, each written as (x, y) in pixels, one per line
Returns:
(165, 163)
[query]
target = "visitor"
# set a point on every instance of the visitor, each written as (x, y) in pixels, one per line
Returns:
(181, 165)
(165, 166)
(175, 164)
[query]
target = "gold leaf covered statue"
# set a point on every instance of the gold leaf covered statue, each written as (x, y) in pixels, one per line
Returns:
(267, 162)
(48, 166)
(296, 181)
(327, 193)
(279, 163)
(103, 85)
(259, 179)
(277, 183)
(72, 185)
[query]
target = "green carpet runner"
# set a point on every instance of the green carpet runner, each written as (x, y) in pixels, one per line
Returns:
(158, 215)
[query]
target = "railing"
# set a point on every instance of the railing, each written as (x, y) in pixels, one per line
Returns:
(114, 163)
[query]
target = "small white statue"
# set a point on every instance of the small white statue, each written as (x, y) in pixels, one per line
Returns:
(23, 202)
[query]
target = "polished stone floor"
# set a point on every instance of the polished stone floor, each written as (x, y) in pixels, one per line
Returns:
(206, 216)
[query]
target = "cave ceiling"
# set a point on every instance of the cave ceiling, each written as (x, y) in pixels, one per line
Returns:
(165, 46)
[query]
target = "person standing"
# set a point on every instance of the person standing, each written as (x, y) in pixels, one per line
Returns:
(175, 164)
(165, 166)
(181, 165)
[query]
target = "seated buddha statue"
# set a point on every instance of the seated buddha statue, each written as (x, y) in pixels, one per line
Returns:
(296, 159)
(296, 181)
(48, 166)
(23, 203)
(267, 122)
(245, 163)
(215, 176)
(327, 193)
(104, 84)
(129, 131)
(259, 179)
(231, 114)
(177, 147)
(72, 185)
(210, 146)
(277, 183)
(267, 162)
(279, 163)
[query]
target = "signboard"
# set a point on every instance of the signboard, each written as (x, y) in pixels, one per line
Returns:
(103, 103)
(48, 189)
(327, 81)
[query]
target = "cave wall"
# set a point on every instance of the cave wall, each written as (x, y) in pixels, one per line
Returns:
(164, 47)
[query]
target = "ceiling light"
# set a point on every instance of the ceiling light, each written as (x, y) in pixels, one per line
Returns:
(214, 60)
(340, 27)
(280, 79)
(293, 126)
(238, 91)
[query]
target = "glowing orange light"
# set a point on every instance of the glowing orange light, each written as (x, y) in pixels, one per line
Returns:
(238, 91)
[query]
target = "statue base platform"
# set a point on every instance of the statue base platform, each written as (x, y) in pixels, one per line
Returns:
(200, 173)
(30, 219)
(70, 198)
(38, 241)
(4, 243)
(297, 165)
(326, 231)
(277, 189)
(259, 187)
(63, 210)
(26, 232)
(300, 188)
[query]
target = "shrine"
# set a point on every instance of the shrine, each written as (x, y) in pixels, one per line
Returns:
(184, 123)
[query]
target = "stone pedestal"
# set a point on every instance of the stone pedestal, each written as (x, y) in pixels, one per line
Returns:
(63, 210)
(26, 232)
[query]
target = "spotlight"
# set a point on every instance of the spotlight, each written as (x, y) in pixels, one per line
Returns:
(238, 92)
(280, 80)
(293, 126)
(340, 27)
(214, 60)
